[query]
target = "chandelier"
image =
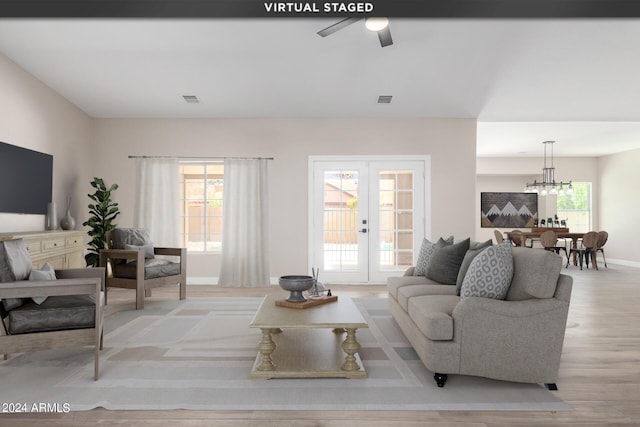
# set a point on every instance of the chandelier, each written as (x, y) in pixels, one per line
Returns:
(548, 185)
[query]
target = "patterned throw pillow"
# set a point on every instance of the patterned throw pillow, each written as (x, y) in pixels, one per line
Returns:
(490, 273)
(474, 249)
(426, 250)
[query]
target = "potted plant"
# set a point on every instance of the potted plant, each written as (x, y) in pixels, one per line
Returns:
(103, 211)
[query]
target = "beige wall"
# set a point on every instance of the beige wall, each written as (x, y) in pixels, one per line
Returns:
(35, 117)
(619, 205)
(451, 143)
(511, 174)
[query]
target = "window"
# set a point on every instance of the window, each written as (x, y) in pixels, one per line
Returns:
(201, 190)
(576, 207)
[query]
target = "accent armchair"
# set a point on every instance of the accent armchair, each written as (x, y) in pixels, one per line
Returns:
(65, 310)
(132, 264)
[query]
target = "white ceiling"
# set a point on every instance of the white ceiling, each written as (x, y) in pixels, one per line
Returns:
(526, 81)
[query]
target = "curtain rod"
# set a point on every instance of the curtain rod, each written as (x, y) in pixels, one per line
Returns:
(200, 158)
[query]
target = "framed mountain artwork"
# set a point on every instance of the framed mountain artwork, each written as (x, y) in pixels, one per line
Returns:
(508, 210)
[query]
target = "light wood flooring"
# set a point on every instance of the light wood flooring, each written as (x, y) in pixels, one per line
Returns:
(599, 375)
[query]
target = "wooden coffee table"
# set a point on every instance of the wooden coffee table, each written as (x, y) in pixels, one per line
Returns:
(296, 343)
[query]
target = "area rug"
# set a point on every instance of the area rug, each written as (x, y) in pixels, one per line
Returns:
(198, 354)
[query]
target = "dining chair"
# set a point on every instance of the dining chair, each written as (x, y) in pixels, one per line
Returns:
(549, 241)
(518, 238)
(603, 236)
(587, 250)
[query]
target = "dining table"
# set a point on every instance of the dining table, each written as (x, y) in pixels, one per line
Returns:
(559, 234)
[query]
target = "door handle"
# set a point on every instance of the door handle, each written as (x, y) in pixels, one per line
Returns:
(364, 230)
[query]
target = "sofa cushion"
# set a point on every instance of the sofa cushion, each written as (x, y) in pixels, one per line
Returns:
(153, 269)
(445, 262)
(45, 273)
(490, 273)
(426, 251)
(535, 274)
(474, 249)
(432, 314)
(15, 264)
(395, 283)
(407, 292)
(56, 313)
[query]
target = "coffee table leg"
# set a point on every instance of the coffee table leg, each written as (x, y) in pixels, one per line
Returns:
(266, 347)
(351, 347)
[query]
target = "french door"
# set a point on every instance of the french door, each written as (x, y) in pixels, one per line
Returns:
(367, 217)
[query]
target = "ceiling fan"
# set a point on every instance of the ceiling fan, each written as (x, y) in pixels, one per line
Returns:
(379, 25)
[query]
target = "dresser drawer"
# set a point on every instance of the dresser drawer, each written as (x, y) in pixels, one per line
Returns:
(57, 262)
(53, 244)
(73, 242)
(33, 247)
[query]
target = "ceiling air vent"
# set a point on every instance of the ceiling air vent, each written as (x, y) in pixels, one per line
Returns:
(384, 99)
(191, 99)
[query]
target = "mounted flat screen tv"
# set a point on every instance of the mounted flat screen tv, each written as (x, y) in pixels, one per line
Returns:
(25, 180)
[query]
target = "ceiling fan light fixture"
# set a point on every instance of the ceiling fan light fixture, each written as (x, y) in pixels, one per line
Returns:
(376, 24)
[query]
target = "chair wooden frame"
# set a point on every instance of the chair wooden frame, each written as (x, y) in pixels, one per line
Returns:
(141, 285)
(82, 281)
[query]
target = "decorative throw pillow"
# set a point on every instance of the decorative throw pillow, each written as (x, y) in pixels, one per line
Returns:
(445, 262)
(490, 273)
(474, 249)
(426, 250)
(130, 236)
(45, 273)
(15, 264)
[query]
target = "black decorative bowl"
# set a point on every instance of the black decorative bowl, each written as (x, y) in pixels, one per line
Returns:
(296, 285)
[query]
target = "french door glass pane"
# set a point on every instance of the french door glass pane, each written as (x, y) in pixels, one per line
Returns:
(395, 219)
(340, 213)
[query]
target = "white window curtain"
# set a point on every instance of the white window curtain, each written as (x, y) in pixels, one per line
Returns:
(157, 200)
(245, 249)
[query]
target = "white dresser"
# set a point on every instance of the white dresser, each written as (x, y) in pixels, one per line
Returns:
(62, 249)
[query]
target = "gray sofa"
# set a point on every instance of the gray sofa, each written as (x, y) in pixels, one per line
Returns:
(516, 339)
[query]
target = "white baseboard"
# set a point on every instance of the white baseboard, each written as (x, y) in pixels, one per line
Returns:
(214, 280)
(622, 262)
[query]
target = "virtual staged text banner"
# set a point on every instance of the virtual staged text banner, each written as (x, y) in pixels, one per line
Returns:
(262, 9)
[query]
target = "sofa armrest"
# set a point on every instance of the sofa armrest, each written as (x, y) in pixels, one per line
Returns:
(510, 340)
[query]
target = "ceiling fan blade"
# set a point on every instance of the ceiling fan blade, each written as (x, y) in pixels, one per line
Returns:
(337, 26)
(385, 37)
